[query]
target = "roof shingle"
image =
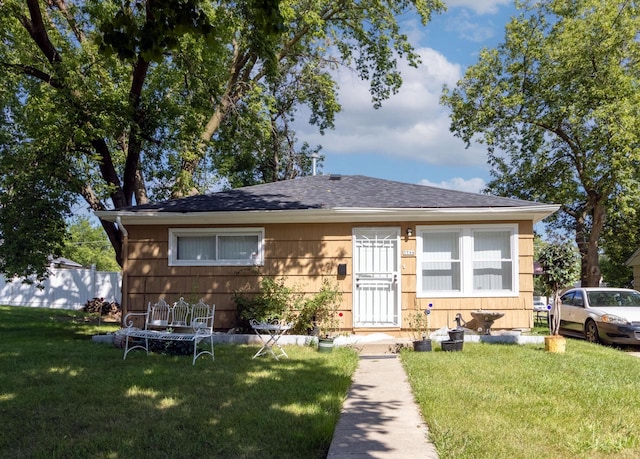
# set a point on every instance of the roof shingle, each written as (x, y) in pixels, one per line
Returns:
(329, 192)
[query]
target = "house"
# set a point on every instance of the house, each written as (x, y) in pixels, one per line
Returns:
(63, 263)
(634, 263)
(392, 247)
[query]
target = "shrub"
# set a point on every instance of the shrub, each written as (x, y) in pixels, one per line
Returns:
(274, 301)
(323, 308)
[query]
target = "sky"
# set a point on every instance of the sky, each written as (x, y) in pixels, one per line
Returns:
(408, 138)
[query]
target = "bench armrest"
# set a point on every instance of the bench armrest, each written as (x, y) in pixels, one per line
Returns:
(202, 325)
(128, 319)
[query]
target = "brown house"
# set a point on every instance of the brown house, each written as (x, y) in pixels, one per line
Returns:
(392, 247)
(634, 263)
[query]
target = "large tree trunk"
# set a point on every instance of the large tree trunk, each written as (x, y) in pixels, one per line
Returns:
(115, 237)
(587, 241)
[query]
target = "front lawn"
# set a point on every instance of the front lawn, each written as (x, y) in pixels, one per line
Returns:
(508, 401)
(63, 396)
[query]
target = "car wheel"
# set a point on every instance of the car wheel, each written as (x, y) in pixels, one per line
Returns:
(591, 332)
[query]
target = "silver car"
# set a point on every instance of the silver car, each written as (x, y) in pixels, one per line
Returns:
(609, 315)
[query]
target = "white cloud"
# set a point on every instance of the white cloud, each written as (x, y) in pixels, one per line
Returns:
(479, 6)
(411, 124)
(470, 29)
(473, 185)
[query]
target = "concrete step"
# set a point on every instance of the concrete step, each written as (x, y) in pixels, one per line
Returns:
(387, 347)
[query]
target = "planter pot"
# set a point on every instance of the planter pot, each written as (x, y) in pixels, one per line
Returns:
(422, 345)
(456, 334)
(555, 343)
(325, 345)
(451, 345)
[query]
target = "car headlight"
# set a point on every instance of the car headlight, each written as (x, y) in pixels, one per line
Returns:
(612, 319)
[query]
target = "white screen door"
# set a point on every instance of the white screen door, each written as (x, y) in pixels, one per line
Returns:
(376, 277)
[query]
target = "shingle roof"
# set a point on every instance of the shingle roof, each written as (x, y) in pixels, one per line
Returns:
(329, 192)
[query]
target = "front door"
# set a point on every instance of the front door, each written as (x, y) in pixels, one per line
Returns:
(376, 277)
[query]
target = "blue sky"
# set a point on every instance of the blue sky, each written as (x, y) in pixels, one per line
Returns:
(408, 139)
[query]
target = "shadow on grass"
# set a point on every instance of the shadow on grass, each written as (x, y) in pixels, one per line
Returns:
(74, 398)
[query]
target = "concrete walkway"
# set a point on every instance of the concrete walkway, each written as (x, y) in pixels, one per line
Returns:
(380, 418)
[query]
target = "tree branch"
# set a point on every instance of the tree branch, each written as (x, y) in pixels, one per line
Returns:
(73, 25)
(38, 32)
(34, 72)
(108, 172)
(134, 145)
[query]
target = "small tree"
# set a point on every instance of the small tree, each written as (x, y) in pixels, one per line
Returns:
(89, 245)
(324, 306)
(559, 262)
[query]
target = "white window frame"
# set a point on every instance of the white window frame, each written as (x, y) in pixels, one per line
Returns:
(466, 256)
(175, 233)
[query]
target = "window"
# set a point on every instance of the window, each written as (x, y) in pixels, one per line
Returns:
(467, 261)
(215, 247)
(441, 264)
(492, 264)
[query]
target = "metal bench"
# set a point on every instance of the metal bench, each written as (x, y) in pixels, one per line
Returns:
(180, 322)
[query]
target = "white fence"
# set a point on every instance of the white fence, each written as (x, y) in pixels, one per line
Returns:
(64, 289)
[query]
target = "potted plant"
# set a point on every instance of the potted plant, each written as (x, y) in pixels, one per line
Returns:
(559, 268)
(419, 326)
(324, 306)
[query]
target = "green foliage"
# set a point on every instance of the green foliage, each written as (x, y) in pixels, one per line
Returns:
(559, 270)
(616, 273)
(147, 100)
(558, 108)
(33, 204)
(323, 309)
(148, 32)
(418, 323)
(621, 239)
(88, 245)
(274, 301)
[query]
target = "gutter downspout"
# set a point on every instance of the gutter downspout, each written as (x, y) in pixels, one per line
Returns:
(124, 289)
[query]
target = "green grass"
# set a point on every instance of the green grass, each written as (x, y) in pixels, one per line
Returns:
(63, 396)
(509, 401)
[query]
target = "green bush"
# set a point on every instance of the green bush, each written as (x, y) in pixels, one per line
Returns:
(323, 308)
(275, 301)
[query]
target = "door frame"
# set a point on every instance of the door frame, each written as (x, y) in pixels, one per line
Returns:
(398, 278)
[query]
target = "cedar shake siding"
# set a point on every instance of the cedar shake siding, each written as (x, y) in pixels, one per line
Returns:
(308, 230)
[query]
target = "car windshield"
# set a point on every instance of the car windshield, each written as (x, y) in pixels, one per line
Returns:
(613, 298)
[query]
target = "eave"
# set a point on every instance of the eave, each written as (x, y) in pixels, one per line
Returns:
(336, 215)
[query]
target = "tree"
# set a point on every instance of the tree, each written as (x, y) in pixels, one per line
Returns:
(139, 101)
(621, 238)
(33, 205)
(559, 269)
(558, 108)
(88, 245)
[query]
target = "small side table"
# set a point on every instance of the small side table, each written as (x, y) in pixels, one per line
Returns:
(270, 333)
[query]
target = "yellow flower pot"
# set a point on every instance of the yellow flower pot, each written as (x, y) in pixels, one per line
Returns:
(555, 343)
